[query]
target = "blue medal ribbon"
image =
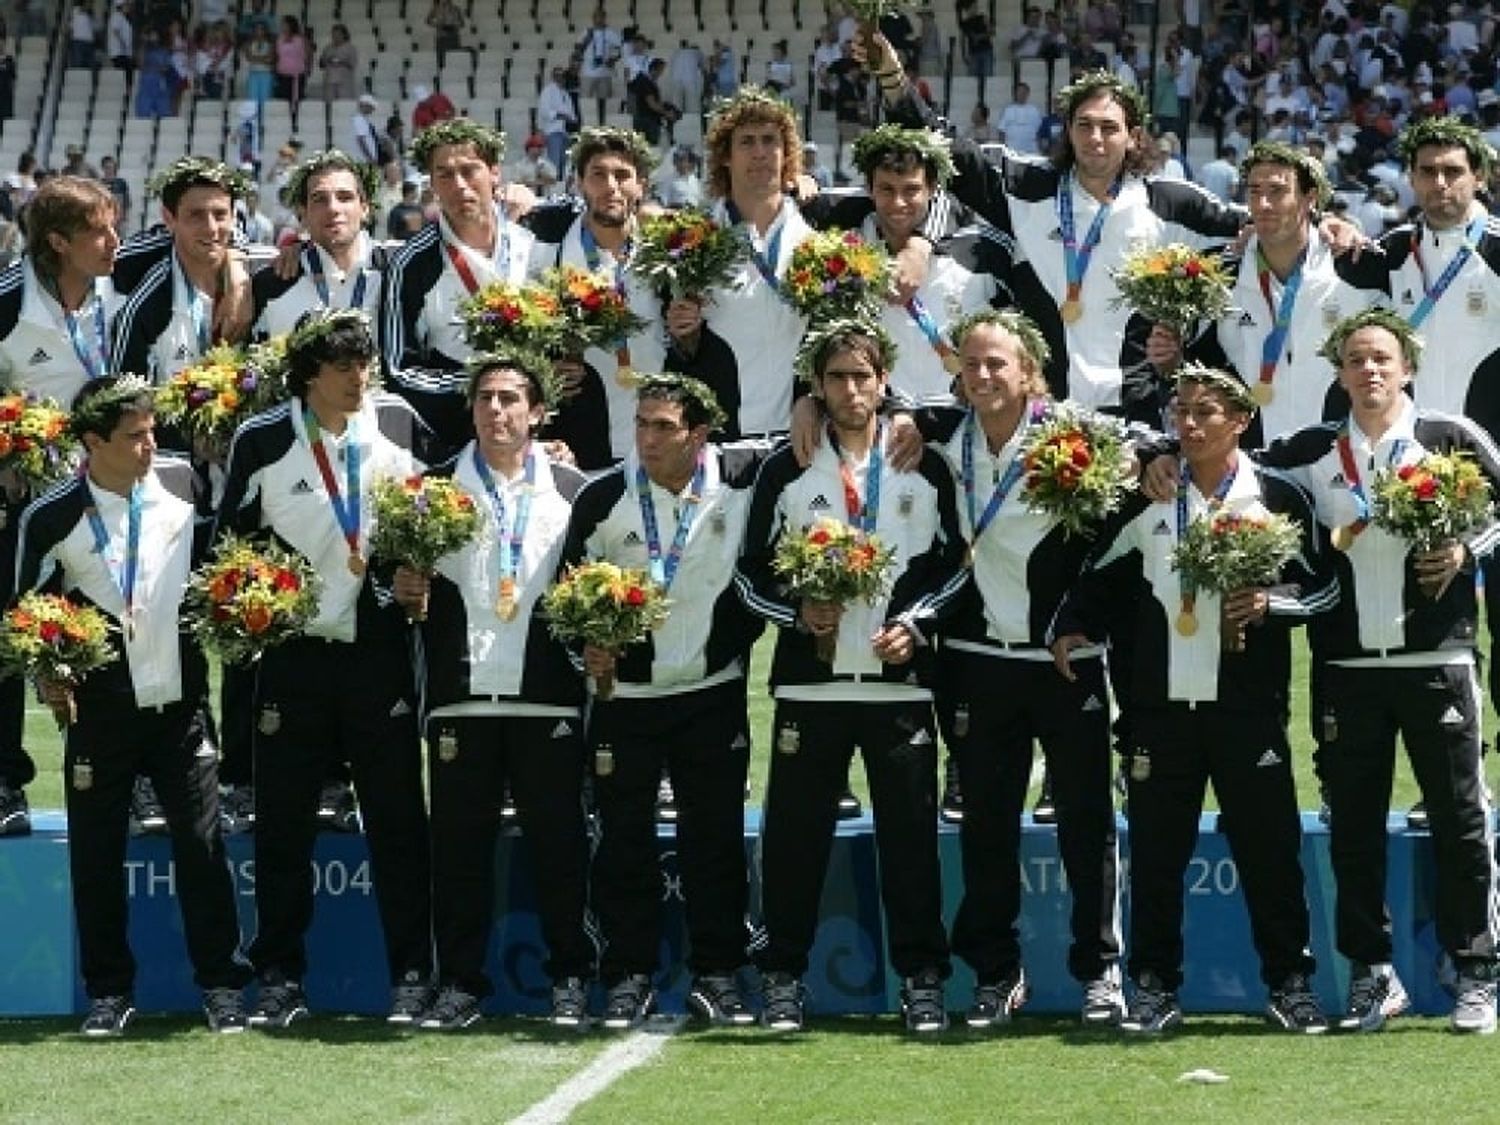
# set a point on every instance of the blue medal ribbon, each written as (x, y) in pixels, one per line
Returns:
(1221, 490)
(764, 263)
(95, 359)
(978, 521)
(664, 568)
(1433, 293)
(1076, 257)
(201, 326)
(1281, 312)
(862, 515)
(345, 504)
(320, 282)
(512, 539)
(125, 576)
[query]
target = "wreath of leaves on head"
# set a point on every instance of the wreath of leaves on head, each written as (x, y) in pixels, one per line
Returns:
(1446, 132)
(669, 383)
(1211, 378)
(316, 325)
(821, 335)
(610, 138)
(529, 361)
(933, 149)
(190, 171)
(88, 417)
(1094, 82)
(747, 97)
(1375, 317)
(367, 176)
(1274, 152)
(489, 143)
(1018, 324)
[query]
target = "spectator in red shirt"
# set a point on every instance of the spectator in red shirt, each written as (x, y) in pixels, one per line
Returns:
(431, 107)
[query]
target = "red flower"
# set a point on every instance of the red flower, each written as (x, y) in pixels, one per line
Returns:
(510, 314)
(257, 619)
(1426, 488)
(287, 580)
(817, 538)
(635, 596)
(1192, 267)
(50, 631)
(836, 266)
(1082, 458)
(591, 301)
(1405, 471)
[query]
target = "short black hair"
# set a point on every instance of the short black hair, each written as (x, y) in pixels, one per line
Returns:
(100, 404)
(321, 338)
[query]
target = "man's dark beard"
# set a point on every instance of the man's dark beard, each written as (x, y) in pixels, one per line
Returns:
(605, 220)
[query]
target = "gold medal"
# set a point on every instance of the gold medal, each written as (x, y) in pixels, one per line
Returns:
(83, 776)
(1262, 393)
(969, 556)
(356, 564)
(1343, 537)
(1071, 310)
(505, 606)
(447, 746)
(625, 376)
(951, 363)
(1187, 623)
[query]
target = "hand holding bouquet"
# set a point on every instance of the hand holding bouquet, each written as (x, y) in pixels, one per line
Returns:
(1173, 285)
(48, 638)
(605, 606)
(1226, 552)
(836, 274)
(248, 598)
(835, 564)
(210, 398)
(1433, 504)
(418, 520)
(592, 311)
(1076, 468)
(502, 316)
(684, 254)
(35, 443)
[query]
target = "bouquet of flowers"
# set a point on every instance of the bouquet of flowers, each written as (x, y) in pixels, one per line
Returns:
(418, 520)
(35, 442)
(836, 273)
(1227, 551)
(608, 606)
(210, 398)
(1436, 500)
(1075, 468)
(685, 253)
(1173, 285)
(249, 597)
(45, 636)
(592, 312)
(503, 315)
(830, 561)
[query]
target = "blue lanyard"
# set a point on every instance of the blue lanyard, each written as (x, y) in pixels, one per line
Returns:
(1433, 293)
(1075, 257)
(862, 515)
(512, 539)
(1270, 349)
(315, 271)
(1350, 465)
(978, 522)
(95, 360)
(595, 262)
(345, 511)
(126, 575)
(764, 263)
(194, 300)
(929, 327)
(663, 570)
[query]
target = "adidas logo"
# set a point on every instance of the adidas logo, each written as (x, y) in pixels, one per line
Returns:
(1056, 235)
(563, 729)
(1451, 717)
(1407, 298)
(301, 488)
(40, 356)
(182, 352)
(1268, 759)
(1338, 481)
(819, 504)
(1246, 320)
(921, 738)
(740, 743)
(1093, 703)
(1161, 528)
(402, 708)
(632, 539)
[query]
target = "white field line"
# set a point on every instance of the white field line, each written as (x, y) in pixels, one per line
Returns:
(636, 1049)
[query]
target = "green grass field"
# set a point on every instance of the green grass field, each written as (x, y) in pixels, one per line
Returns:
(854, 1069)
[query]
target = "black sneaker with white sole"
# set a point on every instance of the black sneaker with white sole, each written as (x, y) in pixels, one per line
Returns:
(628, 1002)
(570, 1003)
(1376, 994)
(1153, 1008)
(1293, 1007)
(224, 1009)
(336, 809)
(922, 1005)
(952, 808)
(280, 1004)
(237, 809)
(1045, 809)
(666, 800)
(716, 998)
(147, 818)
(1474, 1007)
(1103, 999)
(411, 996)
(997, 1001)
(453, 1010)
(108, 1016)
(781, 1002)
(15, 813)
(849, 806)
